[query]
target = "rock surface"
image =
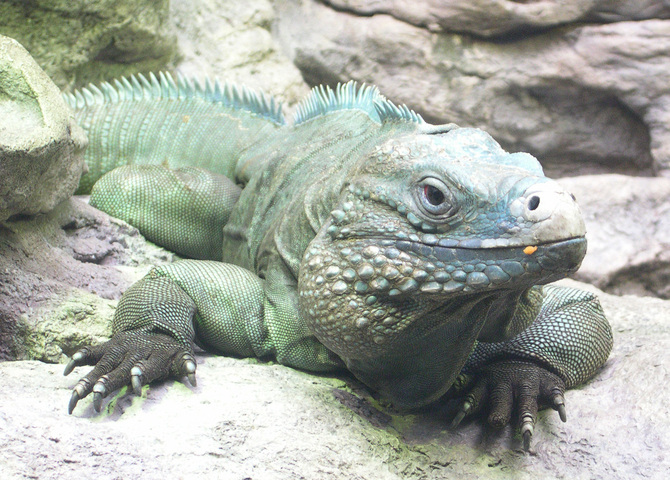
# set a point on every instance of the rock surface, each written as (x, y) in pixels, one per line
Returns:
(84, 41)
(628, 230)
(266, 421)
(489, 18)
(60, 276)
(41, 146)
(231, 40)
(582, 98)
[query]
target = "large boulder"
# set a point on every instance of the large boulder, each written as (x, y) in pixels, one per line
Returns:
(85, 41)
(247, 419)
(41, 146)
(583, 98)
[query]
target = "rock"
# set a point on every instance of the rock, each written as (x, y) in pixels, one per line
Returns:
(60, 277)
(265, 421)
(231, 40)
(628, 230)
(496, 17)
(41, 146)
(583, 98)
(85, 41)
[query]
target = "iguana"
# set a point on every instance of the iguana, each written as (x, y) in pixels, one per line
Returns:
(357, 236)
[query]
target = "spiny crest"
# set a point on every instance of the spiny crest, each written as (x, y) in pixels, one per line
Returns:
(351, 96)
(138, 87)
(388, 111)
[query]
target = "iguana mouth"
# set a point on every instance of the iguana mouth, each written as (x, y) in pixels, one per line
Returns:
(471, 268)
(463, 252)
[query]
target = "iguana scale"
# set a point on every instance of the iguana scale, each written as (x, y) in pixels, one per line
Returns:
(357, 236)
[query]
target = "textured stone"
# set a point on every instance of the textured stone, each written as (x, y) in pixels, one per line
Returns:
(582, 98)
(231, 40)
(41, 146)
(265, 421)
(628, 230)
(495, 17)
(85, 41)
(60, 277)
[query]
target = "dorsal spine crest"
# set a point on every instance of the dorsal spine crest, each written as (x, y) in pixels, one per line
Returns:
(350, 96)
(390, 112)
(163, 86)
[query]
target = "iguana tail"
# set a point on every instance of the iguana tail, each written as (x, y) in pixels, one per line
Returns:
(140, 121)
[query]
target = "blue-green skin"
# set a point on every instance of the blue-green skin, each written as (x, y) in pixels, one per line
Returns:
(331, 255)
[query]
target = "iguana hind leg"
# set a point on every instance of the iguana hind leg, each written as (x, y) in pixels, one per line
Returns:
(183, 210)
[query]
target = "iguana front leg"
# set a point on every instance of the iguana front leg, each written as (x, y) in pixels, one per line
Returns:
(566, 344)
(152, 337)
(221, 307)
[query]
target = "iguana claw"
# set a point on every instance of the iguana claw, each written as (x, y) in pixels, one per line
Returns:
(527, 435)
(527, 423)
(559, 405)
(73, 402)
(74, 361)
(99, 392)
(136, 380)
(79, 391)
(189, 367)
(462, 413)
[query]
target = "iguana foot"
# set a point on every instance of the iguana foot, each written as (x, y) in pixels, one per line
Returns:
(508, 384)
(132, 357)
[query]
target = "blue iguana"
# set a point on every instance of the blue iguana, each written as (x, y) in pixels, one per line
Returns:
(356, 236)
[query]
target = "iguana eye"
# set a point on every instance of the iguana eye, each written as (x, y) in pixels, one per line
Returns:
(435, 198)
(433, 195)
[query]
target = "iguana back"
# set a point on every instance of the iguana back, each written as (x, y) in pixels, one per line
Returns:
(140, 121)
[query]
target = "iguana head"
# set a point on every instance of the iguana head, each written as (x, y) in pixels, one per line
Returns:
(428, 232)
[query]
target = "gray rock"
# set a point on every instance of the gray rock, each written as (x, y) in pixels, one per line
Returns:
(628, 230)
(41, 146)
(583, 99)
(265, 421)
(231, 39)
(60, 277)
(88, 41)
(495, 17)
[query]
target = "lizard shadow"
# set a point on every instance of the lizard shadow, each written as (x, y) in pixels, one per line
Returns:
(427, 425)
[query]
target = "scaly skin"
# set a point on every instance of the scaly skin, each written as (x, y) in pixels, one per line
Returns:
(363, 238)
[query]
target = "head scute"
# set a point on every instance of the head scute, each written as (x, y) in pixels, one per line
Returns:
(164, 87)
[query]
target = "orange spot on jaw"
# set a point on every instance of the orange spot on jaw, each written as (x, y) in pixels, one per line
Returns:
(529, 250)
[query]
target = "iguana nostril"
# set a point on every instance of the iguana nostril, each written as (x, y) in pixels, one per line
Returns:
(533, 202)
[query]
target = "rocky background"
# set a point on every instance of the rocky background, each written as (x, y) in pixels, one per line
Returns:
(582, 85)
